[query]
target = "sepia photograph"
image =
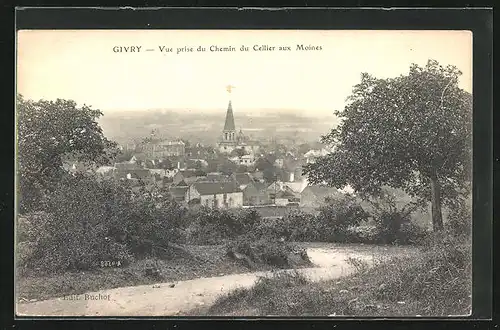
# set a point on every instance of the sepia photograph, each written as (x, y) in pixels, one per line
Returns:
(243, 173)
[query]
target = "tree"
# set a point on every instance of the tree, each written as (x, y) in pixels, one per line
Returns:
(50, 132)
(411, 132)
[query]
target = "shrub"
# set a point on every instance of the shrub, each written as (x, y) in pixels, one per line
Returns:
(75, 231)
(302, 226)
(460, 220)
(248, 220)
(411, 234)
(392, 219)
(212, 226)
(270, 252)
(336, 219)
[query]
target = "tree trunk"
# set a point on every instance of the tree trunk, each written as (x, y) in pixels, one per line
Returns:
(437, 217)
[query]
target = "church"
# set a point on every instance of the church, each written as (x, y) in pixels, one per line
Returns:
(232, 140)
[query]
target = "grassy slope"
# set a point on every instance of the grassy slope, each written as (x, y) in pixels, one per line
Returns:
(437, 282)
(207, 261)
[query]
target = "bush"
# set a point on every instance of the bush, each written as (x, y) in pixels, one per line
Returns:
(411, 234)
(75, 231)
(392, 220)
(460, 220)
(335, 220)
(73, 247)
(270, 252)
(212, 226)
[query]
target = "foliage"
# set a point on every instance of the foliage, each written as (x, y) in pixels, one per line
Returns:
(338, 217)
(49, 132)
(393, 219)
(460, 220)
(87, 221)
(266, 251)
(208, 225)
(411, 132)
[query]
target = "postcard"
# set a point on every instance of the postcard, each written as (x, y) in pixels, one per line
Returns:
(244, 173)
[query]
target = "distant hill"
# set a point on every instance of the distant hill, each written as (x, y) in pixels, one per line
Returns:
(206, 126)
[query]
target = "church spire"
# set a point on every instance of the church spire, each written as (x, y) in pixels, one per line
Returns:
(229, 124)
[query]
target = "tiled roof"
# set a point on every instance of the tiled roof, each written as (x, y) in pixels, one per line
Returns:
(211, 188)
(260, 186)
(257, 175)
(296, 187)
(181, 183)
(126, 166)
(243, 178)
(178, 192)
(216, 177)
(138, 173)
(285, 194)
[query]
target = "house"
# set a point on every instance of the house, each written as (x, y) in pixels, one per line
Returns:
(215, 194)
(298, 173)
(242, 179)
(164, 148)
(139, 174)
(312, 155)
(163, 173)
(186, 182)
(158, 172)
(279, 162)
(243, 160)
(257, 176)
(195, 162)
(279, 186)
(178, 193)
(296, 186)
(217, 176)
(138, 158)
(284, 197)
(126, 166)
(200, 151)
(293, 166)
(182, 175)
(254, 193)
(315, 195)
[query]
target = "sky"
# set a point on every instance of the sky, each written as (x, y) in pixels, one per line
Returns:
(81, 65)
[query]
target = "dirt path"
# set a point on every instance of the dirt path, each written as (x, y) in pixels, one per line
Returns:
(162, 299)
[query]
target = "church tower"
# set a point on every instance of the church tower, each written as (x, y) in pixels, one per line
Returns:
(229, 139)
(229, 131)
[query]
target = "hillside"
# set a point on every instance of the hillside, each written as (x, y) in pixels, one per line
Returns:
(205, 126)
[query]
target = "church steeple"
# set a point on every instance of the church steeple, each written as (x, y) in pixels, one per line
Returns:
(229, 124)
